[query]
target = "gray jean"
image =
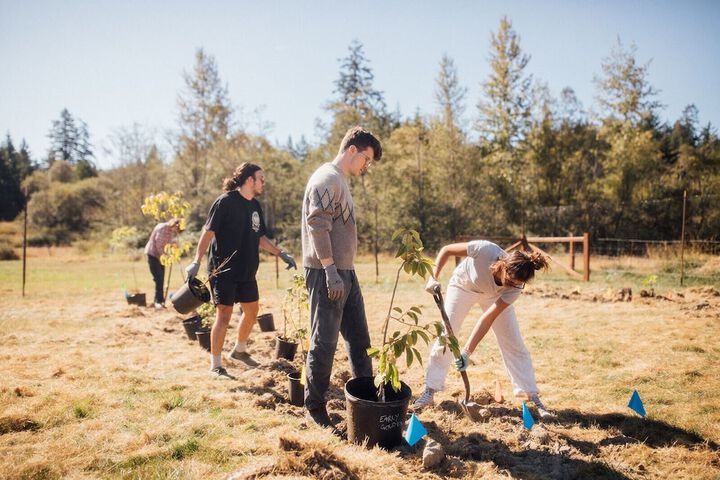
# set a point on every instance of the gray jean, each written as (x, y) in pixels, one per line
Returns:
(327, 320)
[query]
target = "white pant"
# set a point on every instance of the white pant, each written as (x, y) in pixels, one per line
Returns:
(516, 357)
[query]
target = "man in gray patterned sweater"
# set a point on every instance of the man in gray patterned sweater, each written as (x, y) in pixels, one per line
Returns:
(329, 244)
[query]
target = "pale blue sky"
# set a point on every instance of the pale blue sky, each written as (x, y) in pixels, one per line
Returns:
(114, 63)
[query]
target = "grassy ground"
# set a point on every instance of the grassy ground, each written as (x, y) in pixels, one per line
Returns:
(94, 388)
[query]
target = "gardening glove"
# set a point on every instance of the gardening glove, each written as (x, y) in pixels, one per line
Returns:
(335, 284)
(192, 270)
(462, 362)
(431, 284)
(287, 258)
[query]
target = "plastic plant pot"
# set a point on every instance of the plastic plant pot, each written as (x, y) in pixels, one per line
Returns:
(191, 295)
(285, 349)
(296, 390)
(266, 323)
(192, 325)
(203, 338)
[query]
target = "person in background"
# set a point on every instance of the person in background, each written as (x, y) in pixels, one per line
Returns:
(163, 234)
(235, 232)
(492, 279)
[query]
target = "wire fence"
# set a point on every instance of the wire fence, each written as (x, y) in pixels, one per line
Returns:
(615, 247)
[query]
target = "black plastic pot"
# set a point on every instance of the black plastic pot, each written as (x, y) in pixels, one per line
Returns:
(191, 295)
(296, 390)
(285, 349)
(380, 423)
(203, 338)
(191, 326)
(266, 323)
(136, 299)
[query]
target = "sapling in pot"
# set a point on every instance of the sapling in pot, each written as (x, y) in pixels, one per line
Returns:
(295, 318)
(401, 343)
(206, 311)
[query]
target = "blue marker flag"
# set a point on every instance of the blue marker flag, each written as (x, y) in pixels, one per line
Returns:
(528, 419)
(636, 404)
(415, 431)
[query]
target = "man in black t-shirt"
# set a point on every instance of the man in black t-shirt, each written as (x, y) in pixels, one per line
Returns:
(235, 232)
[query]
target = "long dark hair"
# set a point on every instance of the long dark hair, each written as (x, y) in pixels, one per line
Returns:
(240, 175)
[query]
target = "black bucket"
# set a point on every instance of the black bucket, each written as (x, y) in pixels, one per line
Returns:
(296, 390)
(285, 349)
(266, 323)
(136, 299)
(203, 338)
(192, 325)
(380, 423)
(191, 295)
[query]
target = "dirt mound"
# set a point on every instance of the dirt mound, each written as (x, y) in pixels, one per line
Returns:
(17, 424)
(705, 292)
(309, 459)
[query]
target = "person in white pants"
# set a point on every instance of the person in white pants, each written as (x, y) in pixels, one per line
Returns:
(492, 279)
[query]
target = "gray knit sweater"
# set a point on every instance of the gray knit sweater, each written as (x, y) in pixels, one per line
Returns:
(328, 220)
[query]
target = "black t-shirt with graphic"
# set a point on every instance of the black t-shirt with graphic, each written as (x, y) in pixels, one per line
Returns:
(238, 224)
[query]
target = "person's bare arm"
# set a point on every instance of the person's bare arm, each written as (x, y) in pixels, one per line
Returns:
(451, 250)
(206, 237)
(483, 325)
(269, 246)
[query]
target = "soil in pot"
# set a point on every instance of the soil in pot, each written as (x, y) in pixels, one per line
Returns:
(285, 349)
(191, 295)
(203, 338)
(296, 390)
(381, 423)
(192, 325)
(266, 323)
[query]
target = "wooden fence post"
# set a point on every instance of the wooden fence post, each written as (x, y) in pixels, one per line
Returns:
(586, 257)
(572, 254)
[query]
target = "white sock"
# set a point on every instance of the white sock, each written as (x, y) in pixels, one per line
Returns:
(215, 362)
(240, 347)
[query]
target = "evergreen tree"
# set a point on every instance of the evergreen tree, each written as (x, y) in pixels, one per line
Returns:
(504, 110)
(70, 141)
(15, 166)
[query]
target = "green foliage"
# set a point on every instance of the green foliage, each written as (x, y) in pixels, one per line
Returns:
(125, 239)
(63, 211)
(163, 206)
(296, 310)
(207, 313)
(15, 166)
(401, 343)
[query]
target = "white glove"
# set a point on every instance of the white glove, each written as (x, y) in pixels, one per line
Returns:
(192, 270)
(462, 362)
(431, 285)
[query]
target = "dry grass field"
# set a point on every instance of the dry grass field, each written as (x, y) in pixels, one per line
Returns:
(94, 388)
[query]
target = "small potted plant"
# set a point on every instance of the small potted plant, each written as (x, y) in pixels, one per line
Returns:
(206, 311)
(376, 407)
(295, 313)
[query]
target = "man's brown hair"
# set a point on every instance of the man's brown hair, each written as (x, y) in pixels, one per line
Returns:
(362, 139)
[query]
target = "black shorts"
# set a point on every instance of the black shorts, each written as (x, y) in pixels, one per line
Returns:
(230, 292)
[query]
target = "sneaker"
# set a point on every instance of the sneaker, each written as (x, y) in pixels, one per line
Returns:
(543, 412)
(245, 358)
(425, 399)
(159, 306)
(221, 374)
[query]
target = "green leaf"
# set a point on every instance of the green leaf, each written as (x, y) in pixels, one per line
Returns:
(372, 351)
(397, 309)
(396, 233)
(417, 354)
(395, 378)
(379, 380)
(416, 309)
(424, 336)
(409, 357)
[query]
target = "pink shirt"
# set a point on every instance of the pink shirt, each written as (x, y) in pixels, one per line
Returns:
(161, 235)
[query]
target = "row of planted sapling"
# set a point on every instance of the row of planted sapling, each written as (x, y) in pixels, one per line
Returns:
(377, 407)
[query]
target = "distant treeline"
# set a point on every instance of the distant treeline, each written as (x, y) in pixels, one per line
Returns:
(528, 162)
